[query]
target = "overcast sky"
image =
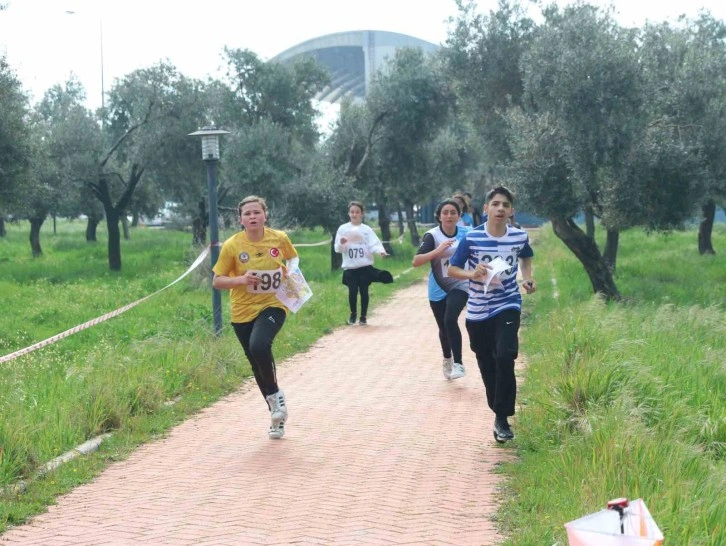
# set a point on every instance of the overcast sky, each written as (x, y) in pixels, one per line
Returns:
(46, 41)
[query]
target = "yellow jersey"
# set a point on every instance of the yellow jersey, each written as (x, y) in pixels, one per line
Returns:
(264, 258)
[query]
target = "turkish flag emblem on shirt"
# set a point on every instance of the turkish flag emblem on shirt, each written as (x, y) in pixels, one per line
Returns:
(274, 252)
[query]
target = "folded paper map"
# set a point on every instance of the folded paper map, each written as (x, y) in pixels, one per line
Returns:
(294, 291)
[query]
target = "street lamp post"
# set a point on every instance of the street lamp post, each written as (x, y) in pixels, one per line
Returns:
(210, 155)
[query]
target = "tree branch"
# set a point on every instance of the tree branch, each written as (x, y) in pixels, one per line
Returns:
(136, 172)
(369, 145)
(127, 134)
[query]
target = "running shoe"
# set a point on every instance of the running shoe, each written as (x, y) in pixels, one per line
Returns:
(351, 319)
(275, 433)
(278, 414)
(457, 370)
(502, 431)
(448, 364)
(363, 321)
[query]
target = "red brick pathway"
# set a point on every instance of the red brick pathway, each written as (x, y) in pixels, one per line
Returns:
(380, 449)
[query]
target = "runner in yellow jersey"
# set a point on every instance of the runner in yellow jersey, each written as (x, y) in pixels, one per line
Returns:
(251, 266)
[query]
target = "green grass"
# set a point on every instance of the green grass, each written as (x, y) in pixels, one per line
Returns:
(618, 399)
(623, 399)
(119, 375)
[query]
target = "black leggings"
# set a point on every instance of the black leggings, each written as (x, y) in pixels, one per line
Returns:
(446, 313)
(256, 338)
(353, 298)
(354, 286)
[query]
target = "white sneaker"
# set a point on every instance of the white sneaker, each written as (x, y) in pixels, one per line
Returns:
(275, 433)
(278, 414)
(457, 371)
(448, 366)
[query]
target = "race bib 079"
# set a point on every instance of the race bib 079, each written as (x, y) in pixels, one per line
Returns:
(356, 251)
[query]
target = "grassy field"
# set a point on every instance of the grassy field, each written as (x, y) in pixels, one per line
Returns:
(620, 399)
(120, 375)
(627, 399)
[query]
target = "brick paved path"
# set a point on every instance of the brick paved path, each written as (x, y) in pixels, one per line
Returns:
(380, 449)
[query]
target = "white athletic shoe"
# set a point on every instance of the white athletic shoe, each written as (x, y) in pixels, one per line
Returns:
(275, 433)
(448, 366)
(457, 371)
(278, 414)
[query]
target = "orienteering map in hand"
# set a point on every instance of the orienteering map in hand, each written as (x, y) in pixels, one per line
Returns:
(492, 279)
(294, 291)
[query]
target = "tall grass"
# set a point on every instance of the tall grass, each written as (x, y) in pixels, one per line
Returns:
(120, 375)
(624, 399)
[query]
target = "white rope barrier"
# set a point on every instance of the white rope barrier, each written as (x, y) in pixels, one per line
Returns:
(121, 310)
(321, 243)
(102, 318)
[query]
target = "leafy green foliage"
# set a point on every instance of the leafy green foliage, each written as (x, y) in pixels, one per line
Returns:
(14, 143)
(68, 151)
(581, 69)
(623, 399)
(268, 108)
(483, 56)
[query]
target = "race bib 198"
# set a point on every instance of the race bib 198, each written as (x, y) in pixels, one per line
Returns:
(269, 281)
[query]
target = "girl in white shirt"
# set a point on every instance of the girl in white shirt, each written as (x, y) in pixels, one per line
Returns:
(358, 244)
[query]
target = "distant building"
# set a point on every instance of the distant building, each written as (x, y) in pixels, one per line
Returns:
(353, 59)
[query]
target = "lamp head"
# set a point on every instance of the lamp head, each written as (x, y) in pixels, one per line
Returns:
(210, 141)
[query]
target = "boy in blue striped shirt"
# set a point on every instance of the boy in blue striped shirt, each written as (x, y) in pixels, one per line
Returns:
(493, 309)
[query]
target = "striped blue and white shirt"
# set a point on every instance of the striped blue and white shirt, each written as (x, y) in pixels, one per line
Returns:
(480, 246)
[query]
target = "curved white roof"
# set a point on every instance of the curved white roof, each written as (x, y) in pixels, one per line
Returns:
(353, 58)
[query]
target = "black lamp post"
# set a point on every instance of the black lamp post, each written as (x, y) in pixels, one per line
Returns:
(210, 155)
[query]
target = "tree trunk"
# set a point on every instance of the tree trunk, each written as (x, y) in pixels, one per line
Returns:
(385, 222)
(401, 229)
(705, 228)
(55, 227)
(114, 212)
(114, 240)
(336, 258)
(611, 249)
(125, 226)
(91, 228)
(199, 225)
(35, 225)
(199, 232)
(135, 219)
(2, 226)
(589, 256)
(412, 228)
(590, 223)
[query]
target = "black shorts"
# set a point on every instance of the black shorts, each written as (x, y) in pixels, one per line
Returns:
(363, 276)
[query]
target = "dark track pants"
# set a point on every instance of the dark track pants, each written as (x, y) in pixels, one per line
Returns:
(256, 338)
(495, 343)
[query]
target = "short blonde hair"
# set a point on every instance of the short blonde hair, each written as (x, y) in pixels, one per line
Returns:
(252, 199)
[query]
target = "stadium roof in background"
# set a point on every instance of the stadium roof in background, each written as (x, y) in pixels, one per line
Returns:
(353, 58)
